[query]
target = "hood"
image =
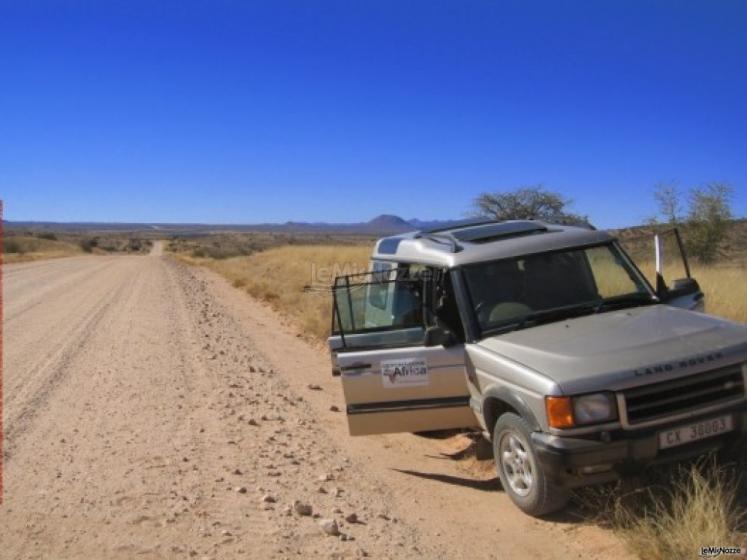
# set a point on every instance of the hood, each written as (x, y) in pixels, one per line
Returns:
(620, 349)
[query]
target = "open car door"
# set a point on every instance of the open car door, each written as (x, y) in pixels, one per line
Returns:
(674, 284)
(392, 382)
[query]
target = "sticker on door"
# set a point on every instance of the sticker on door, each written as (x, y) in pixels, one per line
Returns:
(409, 372)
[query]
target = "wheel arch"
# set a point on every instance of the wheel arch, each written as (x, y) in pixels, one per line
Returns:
(500, 400)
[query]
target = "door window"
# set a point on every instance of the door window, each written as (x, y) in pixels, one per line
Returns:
(671, 263)
(377, 303)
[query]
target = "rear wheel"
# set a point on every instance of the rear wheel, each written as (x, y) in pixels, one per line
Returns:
(521, 474)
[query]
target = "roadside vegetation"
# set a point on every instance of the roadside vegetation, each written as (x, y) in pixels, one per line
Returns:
(28, 245)
(293, 278)
(673, 511)
(22, 248)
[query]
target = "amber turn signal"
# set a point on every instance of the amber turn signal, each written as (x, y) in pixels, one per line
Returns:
(559, 412)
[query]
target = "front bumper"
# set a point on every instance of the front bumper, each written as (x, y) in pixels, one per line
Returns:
(573, 462)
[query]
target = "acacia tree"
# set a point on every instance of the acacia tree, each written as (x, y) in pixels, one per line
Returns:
(669, 201)
(532, 202)
(708, 220)
(706, 224)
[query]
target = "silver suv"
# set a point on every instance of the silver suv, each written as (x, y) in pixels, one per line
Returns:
(550, 340)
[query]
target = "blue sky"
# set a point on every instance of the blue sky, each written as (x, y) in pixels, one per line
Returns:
(235, 112)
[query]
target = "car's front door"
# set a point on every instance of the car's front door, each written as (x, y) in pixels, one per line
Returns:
(392, 382)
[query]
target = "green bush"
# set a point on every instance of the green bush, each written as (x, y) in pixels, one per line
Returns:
(708, 222)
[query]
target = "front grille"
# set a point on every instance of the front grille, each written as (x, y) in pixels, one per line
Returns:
(686, 394)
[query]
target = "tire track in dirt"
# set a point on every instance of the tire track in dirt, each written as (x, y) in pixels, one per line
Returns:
(41, 378)
(29, 295)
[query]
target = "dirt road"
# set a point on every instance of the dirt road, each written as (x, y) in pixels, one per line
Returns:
(153, 411)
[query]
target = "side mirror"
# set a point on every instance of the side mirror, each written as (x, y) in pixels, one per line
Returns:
(685, 285)
(686, 293)
(439, 336)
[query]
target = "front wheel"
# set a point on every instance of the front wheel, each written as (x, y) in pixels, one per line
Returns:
(521, 474)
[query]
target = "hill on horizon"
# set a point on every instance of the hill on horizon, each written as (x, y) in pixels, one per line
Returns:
(382, 224)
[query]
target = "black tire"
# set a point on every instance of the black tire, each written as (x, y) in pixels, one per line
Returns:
(522, 476)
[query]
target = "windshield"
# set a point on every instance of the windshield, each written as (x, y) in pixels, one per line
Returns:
(514, 293)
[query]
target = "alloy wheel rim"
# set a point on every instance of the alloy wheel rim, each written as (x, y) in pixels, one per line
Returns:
(516, 463)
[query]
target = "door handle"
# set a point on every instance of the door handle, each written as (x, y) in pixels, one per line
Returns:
(353, 368)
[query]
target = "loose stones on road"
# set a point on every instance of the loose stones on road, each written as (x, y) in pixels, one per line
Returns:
(302, 508)
(329, 526)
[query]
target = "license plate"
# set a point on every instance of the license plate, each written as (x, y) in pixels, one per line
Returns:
(695, 431)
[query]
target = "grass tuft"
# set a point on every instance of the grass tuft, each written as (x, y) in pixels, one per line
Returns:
(683, 509)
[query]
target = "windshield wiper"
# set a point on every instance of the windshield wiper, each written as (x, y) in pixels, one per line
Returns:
(626, 300)
(571, 311)
(545, 316)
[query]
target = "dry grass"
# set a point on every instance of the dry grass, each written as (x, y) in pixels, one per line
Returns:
(225, 245)
(24, 248)
(724, 286)
(689, 507)
(26, 245)
(293, 279)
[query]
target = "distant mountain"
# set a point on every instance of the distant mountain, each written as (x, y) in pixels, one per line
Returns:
(384, 224)
(389, 222)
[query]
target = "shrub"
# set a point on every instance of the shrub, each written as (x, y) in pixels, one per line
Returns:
(708, 222)
(12, 246)
(88, 244)
(708, 217)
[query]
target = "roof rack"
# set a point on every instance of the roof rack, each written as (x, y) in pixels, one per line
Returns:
(442, 238)
(458, 224)
(499, 230)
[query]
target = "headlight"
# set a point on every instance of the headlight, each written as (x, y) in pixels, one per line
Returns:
(594, 408)
(569, 412)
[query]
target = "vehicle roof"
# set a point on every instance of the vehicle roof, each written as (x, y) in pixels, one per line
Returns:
(484, 241)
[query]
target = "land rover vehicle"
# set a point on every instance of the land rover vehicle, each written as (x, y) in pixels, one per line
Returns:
(549, 339)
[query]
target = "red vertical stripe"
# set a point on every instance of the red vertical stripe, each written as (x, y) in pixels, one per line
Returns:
(1, 353)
